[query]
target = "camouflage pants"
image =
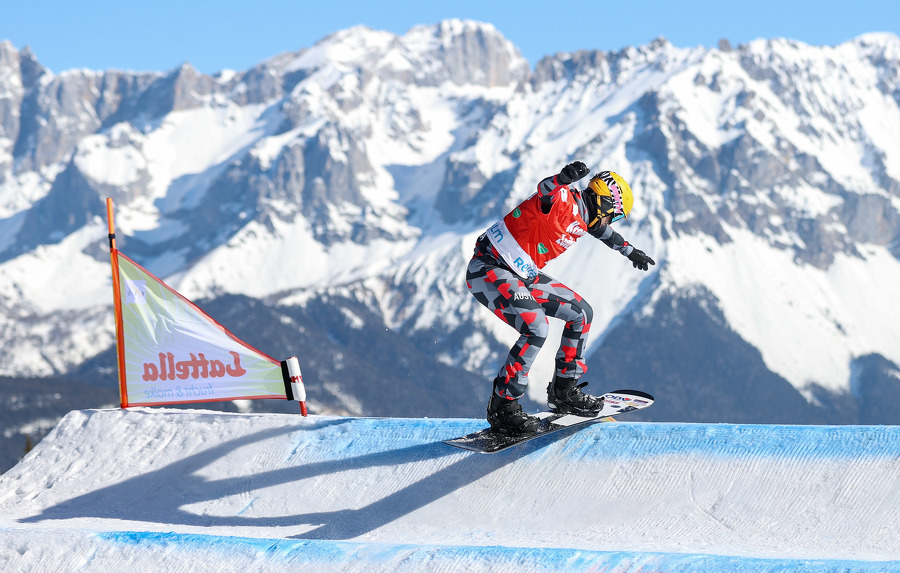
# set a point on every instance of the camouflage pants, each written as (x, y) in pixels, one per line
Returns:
(525, 307)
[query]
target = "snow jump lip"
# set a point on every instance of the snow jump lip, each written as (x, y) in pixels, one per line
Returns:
(774, 492)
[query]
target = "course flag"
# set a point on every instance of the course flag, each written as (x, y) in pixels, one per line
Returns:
(171, 352)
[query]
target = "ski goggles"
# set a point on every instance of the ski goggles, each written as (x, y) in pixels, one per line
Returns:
(606, 208)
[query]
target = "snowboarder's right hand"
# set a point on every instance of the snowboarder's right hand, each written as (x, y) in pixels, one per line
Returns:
(572, 172)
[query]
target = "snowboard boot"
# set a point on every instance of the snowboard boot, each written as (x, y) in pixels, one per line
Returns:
(564, 397)
(506, 416)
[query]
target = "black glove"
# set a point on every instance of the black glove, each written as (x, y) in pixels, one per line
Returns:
(572, 172)
(640, 260)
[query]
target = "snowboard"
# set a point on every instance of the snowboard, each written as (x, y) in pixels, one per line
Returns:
(614, 403)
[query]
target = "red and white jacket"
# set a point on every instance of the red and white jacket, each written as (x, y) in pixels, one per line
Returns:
(544, 226)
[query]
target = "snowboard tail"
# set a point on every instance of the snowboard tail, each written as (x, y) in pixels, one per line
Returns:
(488, 441)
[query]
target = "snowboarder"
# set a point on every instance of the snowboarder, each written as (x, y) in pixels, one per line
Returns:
(505, 276)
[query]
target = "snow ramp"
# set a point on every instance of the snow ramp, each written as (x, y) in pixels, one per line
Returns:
(188, 490)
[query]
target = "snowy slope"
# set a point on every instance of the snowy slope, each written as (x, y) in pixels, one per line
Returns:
(192, 490)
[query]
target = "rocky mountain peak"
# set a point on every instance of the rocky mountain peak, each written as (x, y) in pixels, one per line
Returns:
(365, 165)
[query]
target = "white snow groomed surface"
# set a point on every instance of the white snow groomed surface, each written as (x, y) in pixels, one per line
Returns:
(188, 490)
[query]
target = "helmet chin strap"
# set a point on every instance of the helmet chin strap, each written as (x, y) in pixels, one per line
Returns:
(592, 205)
(596, 206)
(602, 211)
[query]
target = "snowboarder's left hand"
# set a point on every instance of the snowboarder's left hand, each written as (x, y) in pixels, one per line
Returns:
(640, 260)
(572, 172)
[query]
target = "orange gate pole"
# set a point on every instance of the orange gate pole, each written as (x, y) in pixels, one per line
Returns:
(117, 298)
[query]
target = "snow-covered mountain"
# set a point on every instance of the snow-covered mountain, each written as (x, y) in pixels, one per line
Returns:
(328, 199)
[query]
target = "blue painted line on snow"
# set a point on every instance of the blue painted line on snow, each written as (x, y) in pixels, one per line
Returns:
(636, 439)
(324, 553)
(641, 440)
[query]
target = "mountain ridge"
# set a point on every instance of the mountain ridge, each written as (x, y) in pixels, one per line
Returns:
(361, 169)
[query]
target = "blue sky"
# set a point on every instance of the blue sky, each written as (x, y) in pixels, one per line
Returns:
(232, 34)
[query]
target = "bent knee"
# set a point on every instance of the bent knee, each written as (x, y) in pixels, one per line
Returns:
(587, 311)
(537, 329)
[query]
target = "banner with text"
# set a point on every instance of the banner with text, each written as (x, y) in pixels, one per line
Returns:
(174, 352)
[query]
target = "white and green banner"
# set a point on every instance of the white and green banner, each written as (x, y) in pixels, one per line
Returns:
(172, 352)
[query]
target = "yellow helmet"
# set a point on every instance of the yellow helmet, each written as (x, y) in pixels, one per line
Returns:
(613, 195)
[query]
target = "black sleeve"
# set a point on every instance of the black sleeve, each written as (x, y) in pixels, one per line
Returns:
(612, 239)
(547, 190)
